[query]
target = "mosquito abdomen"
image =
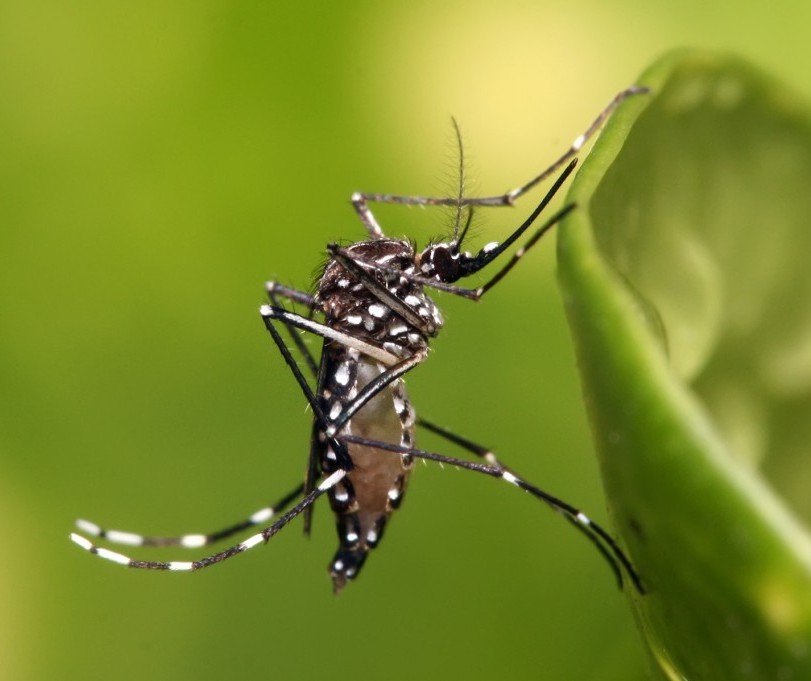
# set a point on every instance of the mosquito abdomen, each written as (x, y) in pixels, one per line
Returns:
(375, 486)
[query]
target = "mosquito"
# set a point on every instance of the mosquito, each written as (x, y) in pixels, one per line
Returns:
(375, 319)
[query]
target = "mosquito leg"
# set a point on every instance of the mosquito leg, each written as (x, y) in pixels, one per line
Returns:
(361, 200)
(490, 458)
(243, 546)
(343, 459)
(269, 313)
(464, 443)
(275, 291)
(367, 218)
(606, 544)
(190, 541)
(578, 142)
(521, 252)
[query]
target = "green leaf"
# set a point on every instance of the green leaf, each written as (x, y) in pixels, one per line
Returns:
(686, 273)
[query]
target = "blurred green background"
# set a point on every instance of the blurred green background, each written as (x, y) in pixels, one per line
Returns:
(159, 162)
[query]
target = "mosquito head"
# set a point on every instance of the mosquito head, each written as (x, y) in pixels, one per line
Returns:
(440, 261)
(446, 263)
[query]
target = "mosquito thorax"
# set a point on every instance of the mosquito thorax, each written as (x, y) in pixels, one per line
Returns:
(351, 307)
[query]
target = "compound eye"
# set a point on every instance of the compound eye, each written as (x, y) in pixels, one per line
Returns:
(446, 264)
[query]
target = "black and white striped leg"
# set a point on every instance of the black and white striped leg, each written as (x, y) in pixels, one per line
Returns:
(190, 541)
(608, 547)
(490, 458)
(249, 543)
(361, 200)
